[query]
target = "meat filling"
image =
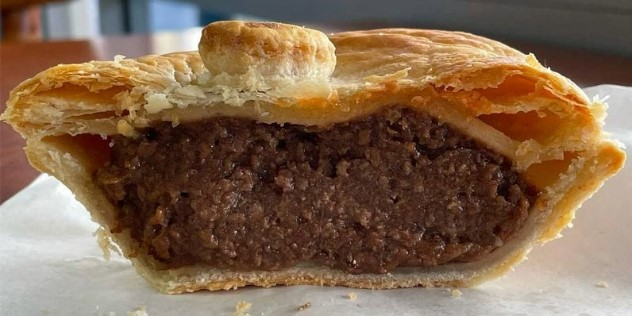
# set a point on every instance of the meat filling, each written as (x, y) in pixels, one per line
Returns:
(397, 188)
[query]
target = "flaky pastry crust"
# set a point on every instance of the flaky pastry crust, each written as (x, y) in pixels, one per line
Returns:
(276, 73)
(278, 59)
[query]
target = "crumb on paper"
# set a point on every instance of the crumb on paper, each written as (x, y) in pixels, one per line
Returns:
(105, 243)
(352, 296)
(242, 308)
(455, 293)
(304, 306)
(602, 284)
(139, 311)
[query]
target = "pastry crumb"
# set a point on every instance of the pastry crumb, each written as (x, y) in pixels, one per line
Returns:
(455, 293)
(139, 311)
(304, 306)
(242, 308)
(602, 284)
(352, 296)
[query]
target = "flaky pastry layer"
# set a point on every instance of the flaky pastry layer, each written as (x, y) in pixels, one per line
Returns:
(504, 99)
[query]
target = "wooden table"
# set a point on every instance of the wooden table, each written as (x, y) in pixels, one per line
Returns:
(19, 61)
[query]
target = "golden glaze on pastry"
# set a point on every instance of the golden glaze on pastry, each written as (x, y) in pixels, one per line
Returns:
(278, 73)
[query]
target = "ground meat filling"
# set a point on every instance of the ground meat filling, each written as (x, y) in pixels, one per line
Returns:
(393, 189)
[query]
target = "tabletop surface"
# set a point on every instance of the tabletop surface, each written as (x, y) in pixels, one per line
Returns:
(20, 61)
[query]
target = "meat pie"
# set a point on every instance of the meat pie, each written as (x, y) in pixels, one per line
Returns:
(278, 155)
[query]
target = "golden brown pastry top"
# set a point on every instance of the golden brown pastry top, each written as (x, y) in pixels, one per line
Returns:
(281, 73)
(268, 56)
(368, 62)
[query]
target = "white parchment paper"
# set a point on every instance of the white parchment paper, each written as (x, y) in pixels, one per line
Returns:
(50, 264)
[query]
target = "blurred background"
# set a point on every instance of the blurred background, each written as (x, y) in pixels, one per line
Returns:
(596, 25)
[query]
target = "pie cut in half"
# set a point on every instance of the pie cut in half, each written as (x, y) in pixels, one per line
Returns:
(279, 155)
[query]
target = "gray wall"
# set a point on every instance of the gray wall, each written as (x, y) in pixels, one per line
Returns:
(599, 25)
